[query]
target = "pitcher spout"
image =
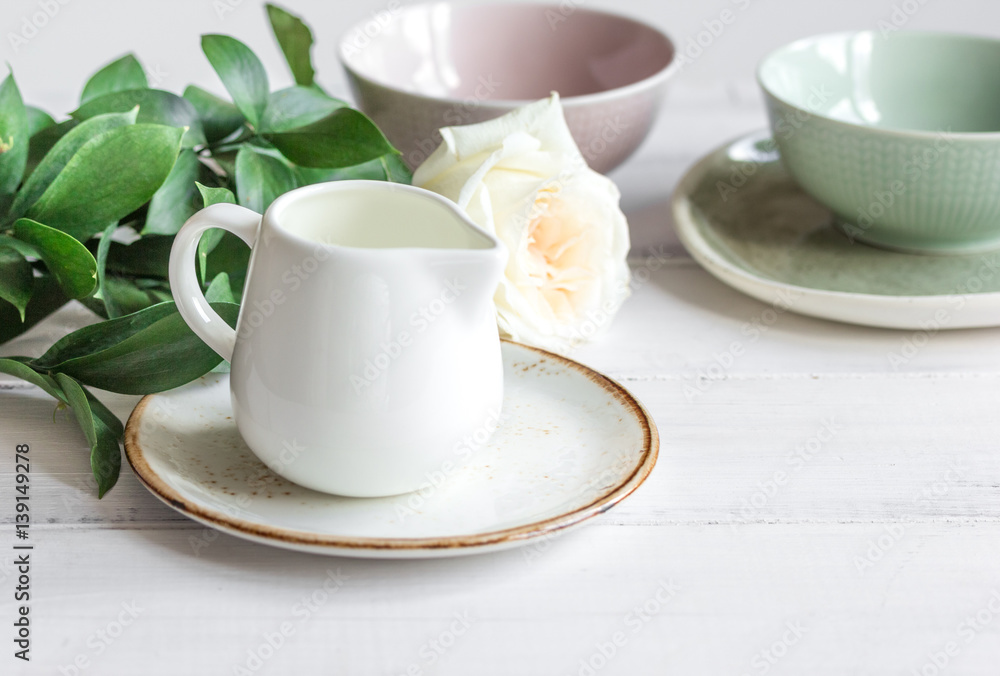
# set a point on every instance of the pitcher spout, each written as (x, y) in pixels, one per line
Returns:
(471, 264)
(470, 276)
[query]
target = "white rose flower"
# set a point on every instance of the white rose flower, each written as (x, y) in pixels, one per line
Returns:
(522, 177)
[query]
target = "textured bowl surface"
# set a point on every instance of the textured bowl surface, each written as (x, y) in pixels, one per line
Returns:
(424, 67)
(746, 221)
(899, 136)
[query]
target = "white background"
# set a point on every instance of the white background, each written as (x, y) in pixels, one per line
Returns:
(743, 576)
(85, 34)
(711, 101)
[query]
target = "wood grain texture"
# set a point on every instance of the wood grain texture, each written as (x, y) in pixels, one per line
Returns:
(819, 507)
(726, 597)
(806, 484)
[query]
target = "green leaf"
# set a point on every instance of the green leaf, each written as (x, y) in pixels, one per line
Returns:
(151, 284)
(78, 401)
(93, 339)
(295, 40)
(342, 139)
(104, 414)
(367, 171)
(62, 151)
(128, 296)
(219, 290)
(148, 351)
(16, 279)
(111, 176)
(105, 454)
(145, 257)
(155, 107)
(386, 168)
(121, 75)
(210, 196)
(211, 239)
(42, 142)
(206, 245)
(14, 137)
(226, 159)
(219, 118)
(241, 72)
(264, 147)
(22, 248)
(38, 120)
(111, 307)
(396, 170)
(69, 261)
(297, 107)
(19, 369)
(175, 201)
(260, 179)
(105, 457)
(231, 255)
(45, 299)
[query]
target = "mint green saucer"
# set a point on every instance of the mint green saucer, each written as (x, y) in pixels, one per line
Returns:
(744, 219)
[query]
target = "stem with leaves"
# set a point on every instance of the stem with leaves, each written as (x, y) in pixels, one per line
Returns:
(89, 208)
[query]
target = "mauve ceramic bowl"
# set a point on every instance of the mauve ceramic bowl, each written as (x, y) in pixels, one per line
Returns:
(416, 69)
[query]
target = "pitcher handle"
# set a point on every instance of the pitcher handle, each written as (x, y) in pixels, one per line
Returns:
(191, 302)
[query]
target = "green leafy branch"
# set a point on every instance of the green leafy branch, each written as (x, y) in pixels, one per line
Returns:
(89, 207)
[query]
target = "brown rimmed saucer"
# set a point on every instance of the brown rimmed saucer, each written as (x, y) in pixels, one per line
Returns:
(570, 444)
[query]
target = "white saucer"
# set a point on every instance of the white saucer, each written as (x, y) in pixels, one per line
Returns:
(744, 219)
(570, 445)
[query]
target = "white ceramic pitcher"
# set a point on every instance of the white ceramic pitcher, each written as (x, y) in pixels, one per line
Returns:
(366, 347)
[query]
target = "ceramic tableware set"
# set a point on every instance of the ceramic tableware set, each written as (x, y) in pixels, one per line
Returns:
(371, 409)
(875, 196)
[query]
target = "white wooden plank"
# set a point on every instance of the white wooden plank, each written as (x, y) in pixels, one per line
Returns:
(831, 448)
(880, 488)
(736, 594)
(835, 448)
(682, 321)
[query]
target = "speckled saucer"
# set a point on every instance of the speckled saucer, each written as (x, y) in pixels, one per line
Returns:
(748, 223)
(571, 443)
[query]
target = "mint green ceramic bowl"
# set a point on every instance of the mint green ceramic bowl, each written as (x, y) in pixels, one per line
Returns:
(899, 135)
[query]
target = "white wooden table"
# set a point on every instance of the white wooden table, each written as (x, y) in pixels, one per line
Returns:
(815, 510)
